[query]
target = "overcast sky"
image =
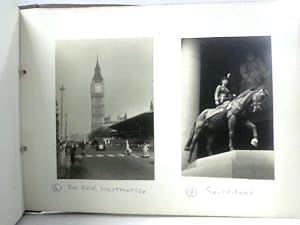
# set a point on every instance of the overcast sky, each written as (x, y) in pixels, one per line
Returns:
(126, 66)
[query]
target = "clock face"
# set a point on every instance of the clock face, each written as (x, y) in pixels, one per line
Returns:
(98, 88)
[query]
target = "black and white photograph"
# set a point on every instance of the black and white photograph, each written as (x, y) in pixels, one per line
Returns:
(105, 109)
(227, 121)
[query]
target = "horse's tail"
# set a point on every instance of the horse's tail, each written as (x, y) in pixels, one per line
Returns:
(189, 141)
(202, 117)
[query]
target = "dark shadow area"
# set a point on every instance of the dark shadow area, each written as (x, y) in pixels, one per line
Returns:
(220, 56)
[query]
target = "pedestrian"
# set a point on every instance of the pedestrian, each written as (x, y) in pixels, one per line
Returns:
(67, 160)
(73, 151)
(128, 150)
(96, 144)
(146, 151)
(61, 155)
(82, 147)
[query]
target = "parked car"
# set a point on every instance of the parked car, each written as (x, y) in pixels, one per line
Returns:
(100, 146)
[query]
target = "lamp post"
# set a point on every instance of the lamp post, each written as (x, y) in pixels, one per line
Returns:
(66, 126)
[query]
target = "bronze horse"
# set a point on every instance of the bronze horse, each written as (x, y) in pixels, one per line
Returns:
(209, 119)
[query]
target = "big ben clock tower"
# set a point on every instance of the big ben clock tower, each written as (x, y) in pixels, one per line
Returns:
(97, 97)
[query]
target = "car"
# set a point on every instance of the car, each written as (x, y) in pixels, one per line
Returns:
(100, 146)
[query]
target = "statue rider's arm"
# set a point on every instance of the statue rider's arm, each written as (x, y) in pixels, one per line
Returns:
(217, 94)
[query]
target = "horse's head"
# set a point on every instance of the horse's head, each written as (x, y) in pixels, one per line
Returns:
(260, 95)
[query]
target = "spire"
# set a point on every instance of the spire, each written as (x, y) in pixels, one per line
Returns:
(97, 64)
(97, 74)
(151, 106)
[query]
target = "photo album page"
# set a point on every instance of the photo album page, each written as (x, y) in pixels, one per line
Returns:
(222, 79)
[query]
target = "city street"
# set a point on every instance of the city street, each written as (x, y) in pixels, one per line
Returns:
(112, 164)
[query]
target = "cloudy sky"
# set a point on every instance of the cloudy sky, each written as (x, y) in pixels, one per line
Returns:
(127, 69)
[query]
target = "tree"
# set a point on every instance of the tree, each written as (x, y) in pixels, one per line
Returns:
(100, 132)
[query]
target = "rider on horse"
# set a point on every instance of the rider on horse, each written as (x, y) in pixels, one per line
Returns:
(222, 93)
(249, 101)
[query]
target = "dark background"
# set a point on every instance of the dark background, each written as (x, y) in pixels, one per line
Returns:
(220, 56)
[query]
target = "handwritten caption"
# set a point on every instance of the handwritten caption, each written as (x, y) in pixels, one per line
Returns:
(97, 189)
(192, 191)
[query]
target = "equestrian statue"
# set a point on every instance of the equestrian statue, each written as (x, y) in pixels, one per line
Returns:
(238, 109)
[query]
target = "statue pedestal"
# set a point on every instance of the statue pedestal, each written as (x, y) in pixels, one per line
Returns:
(247, 164)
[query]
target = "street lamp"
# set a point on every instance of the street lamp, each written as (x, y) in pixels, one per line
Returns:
(66, 126)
